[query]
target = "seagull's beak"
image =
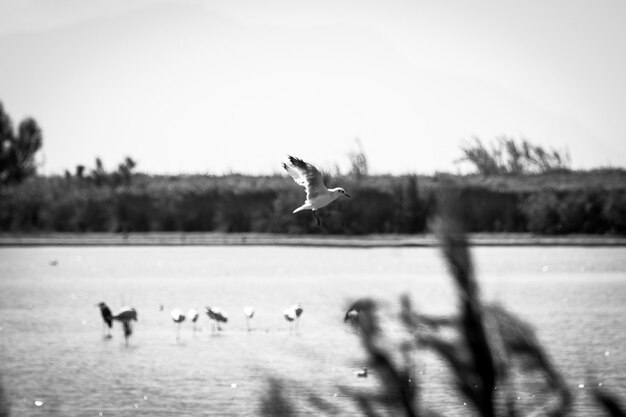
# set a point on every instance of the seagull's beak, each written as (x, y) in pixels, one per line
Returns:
(347, 195)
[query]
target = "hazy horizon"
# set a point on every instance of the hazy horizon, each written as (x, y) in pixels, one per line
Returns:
(216, 87)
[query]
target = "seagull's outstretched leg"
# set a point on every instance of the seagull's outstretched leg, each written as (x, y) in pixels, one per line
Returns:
(317, 218)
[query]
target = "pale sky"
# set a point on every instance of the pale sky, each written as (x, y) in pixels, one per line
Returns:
(217, 86)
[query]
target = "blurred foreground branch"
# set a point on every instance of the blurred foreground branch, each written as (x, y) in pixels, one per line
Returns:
(489, 351)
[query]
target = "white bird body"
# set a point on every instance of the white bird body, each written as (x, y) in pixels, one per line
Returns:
(193, 315)
(248, 312)
(308, 176)
(292, 314)
(352, 315)
(319, 201)
(178, 316)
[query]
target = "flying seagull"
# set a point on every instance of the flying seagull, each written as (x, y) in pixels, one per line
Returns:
(317, 195)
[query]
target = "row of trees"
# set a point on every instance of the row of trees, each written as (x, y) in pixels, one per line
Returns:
(505, 155)
(98, 176)
(18, 148)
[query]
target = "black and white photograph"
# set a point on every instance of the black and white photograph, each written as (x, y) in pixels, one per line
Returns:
(299, 208)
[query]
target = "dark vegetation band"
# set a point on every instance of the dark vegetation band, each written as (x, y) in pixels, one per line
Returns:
(576, 202)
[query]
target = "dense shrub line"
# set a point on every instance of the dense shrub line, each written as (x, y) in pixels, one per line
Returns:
(379, 204)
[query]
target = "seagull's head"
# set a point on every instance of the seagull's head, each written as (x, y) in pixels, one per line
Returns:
(340, 191)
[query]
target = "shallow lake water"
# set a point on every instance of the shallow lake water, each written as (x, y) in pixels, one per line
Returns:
(55, 361)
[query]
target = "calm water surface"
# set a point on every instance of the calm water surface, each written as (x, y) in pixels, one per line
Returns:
(52, 349)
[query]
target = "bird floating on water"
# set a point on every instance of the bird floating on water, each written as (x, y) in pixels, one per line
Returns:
(308, 176)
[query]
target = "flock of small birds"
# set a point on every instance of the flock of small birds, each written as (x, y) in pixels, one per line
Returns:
(126, 315)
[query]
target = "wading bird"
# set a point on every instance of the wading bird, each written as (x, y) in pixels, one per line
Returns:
(292, 315)
(125, 315)
(317, 195)
(193, 316)
(249, 313)
(217, 316)
(107, 319)
(178, 317)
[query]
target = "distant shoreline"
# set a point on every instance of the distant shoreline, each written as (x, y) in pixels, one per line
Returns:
(263, 239)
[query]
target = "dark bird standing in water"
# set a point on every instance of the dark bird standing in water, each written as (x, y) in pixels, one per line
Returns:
(126, 315)
(107, 319)
(216, 316)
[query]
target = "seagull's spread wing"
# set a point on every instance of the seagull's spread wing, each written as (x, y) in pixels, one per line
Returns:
(306, 175)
